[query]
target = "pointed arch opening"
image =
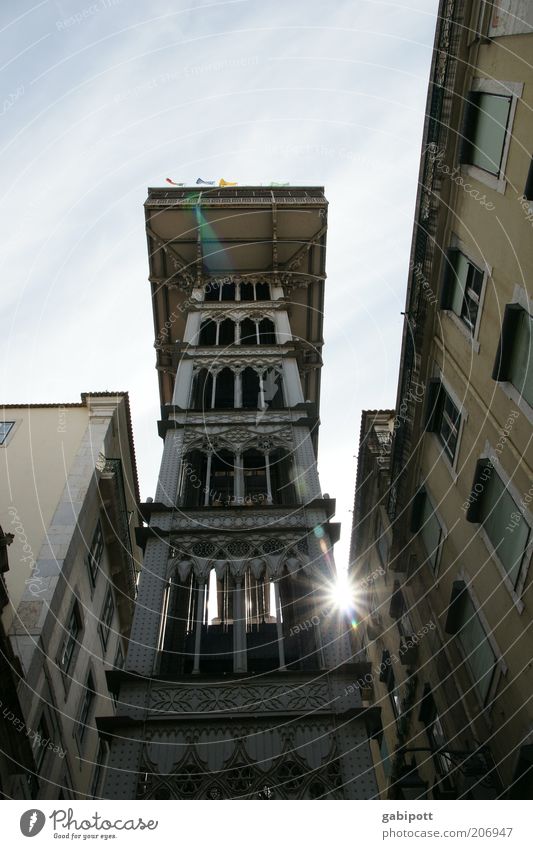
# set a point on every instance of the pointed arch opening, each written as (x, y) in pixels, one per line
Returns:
(208, 333)
(202, 390)
(226, 332)
(225, 390)
(250, 389)
(267, 332)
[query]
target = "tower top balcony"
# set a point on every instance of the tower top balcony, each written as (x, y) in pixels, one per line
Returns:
(200, 236)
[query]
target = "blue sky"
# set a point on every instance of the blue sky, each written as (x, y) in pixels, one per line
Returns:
(100, 100)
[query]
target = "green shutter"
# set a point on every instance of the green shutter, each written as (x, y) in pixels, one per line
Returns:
(459, 283)
(432, 403)
(448, 278)
(455, 607)
(417, 509)
(521, 367)
(430, 531)
(506, 346)
(480, 657)
(490, 131)
(505, 526)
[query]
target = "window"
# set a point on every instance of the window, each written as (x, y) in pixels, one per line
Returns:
(528, 188)
(431, 534)
(255, 291)
(98, 768)
(248, 291)
(505, 526)
(262, 291)
(514, 357)
(438, 742)
(478, 652)
(267, 332)
(40, 743)
(5, 428)
(106, 618)
(424, 521)
(225, 390)
(255, 478)
(248, 332)
(86, 707)
(70, 639)
(510, 17)
(250, 389)
(228, 389)
(261, 332)
(202, 390)
(382, 539)
(94, 556)
(221, 479)
(119, 658)
(444, 418)
(226, 332)
(208, 333)
(227, 292)
(462, 287)
(485, 130)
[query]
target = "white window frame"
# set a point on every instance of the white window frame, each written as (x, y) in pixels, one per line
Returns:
(11, 432)
(443, 532)
(521, 297)
(506, 88)
(472, 338)
(500, 666)
(493, 9)
(463, 417)
(514, 492)
(81, 727)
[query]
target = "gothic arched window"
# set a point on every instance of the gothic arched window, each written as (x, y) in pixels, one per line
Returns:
(226, 332)
(202, 390)
(267, 332)
(227, 292)
(250, 389)
(212, 292)
(208, 333)
(280, 478)
(225, 389)
(248, 332)
(247, 291)
(262, 291)
(222, 478)
(255, 478)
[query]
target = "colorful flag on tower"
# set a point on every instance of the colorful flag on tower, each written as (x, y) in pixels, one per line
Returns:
(172, 183)
(201, 182)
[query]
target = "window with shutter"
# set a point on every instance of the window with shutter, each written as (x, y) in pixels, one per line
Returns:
(479, 654)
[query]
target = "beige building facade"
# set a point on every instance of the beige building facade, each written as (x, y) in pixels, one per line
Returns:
(460, 494)
(69, 500)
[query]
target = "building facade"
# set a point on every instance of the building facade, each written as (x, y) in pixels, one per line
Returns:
(70, 501)
(238, 674)
(17, 766)
(460, 494)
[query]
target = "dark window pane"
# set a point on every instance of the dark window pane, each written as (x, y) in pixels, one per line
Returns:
(208, 333)
(247, 292)
(225, 389)
(248, 332)
(226, 333)
(250, 389)
(262, 291)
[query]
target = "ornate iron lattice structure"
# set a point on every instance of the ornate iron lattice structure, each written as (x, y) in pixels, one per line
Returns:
(236, 680)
